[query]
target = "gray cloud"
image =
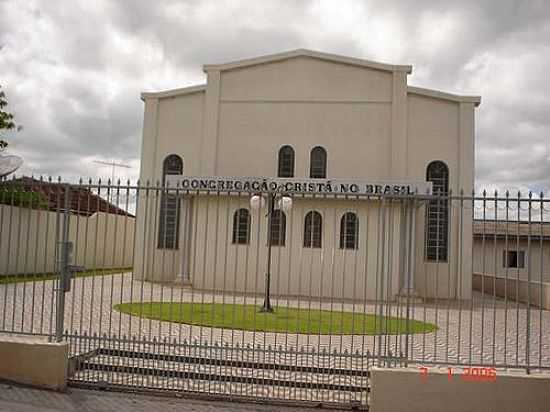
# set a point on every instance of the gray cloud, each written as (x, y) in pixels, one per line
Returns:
(73, 71)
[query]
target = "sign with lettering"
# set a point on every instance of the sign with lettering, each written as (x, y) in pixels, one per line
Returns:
(298, 186)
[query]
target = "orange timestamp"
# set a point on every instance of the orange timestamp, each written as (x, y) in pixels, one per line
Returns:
(470, 374)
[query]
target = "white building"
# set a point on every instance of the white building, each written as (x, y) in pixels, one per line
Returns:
(308, 116)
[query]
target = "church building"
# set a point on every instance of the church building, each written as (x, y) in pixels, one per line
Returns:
(318, 169)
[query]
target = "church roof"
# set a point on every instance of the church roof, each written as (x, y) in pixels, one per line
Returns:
(238, 64)
(307, 53)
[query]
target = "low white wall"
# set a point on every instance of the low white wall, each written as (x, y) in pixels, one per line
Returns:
(406, 390)
(28, 240)
(534, 292)
(34, 361)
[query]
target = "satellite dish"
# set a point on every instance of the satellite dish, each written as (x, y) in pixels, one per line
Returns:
(9, 164)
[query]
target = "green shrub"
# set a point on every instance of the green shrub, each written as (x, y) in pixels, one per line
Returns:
(14, 195)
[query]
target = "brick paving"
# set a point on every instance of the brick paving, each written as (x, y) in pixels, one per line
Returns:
(482, 331)
(486, 331)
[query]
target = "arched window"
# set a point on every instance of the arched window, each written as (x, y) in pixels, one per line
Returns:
(437, 212)
(172, 165)
(278, 228)
(286, 162)
(169, 206)
(318, 163)
(313, 229)
(241, 227)
(349, 231)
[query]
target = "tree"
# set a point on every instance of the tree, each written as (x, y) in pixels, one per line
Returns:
(6, 119)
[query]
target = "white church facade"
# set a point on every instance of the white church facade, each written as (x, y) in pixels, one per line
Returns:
(348, 141)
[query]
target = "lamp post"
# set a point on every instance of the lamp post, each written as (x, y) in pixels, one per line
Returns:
(284, 203)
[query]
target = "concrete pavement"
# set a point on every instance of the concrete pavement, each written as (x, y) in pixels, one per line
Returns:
(22, 399)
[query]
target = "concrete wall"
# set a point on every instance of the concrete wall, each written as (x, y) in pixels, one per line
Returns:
(34, 361)
(29, 237)
(534, 292)
(405, 390)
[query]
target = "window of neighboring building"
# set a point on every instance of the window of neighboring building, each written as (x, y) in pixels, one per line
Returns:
(313, 230)
(437, 212)
(349, 231)
(278, 228)
(241, 227)
(318, 163)
(169, 206)
(286, 162)
(514, 259)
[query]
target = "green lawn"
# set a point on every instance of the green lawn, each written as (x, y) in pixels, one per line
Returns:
(49, 276)
(291, 320)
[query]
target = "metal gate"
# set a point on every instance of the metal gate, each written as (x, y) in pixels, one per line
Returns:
(251, 295)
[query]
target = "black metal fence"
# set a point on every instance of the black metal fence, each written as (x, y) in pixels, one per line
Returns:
(165, 288)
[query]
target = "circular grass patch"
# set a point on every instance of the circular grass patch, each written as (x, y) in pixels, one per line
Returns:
(283, 319)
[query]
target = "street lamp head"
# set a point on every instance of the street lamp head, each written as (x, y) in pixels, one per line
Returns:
(285, 203)
(257, 202)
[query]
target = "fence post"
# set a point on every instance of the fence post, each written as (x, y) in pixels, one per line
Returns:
(63, 268)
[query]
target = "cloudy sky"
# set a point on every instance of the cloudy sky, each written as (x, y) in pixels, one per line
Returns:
(73, 70)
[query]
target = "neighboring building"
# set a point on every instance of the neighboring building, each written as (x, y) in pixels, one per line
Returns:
(309, 115)
(511, 249)
(31, 218)
(512, 261)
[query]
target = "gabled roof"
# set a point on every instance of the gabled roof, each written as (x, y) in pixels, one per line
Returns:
(306, 53)
(82, 201)
(316, 55)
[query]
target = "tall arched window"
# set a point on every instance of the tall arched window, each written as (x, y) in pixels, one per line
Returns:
(169, 206)
(437, 212)
(241, 227)
(318, 163)
(349, 231)
(286, 162)
(313, 229)
(278, 228)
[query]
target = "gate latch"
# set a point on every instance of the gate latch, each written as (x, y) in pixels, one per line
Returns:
(66, 269)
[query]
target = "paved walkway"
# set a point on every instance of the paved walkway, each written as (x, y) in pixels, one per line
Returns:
(481, 331)
(21, 399)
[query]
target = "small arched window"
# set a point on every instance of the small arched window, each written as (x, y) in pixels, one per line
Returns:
(318, 163)
(437, 212)
(241, 227)
(313, 230)
(278, 228)
(286, 162)
(169, 205)
(172, 165)
(349, 231)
